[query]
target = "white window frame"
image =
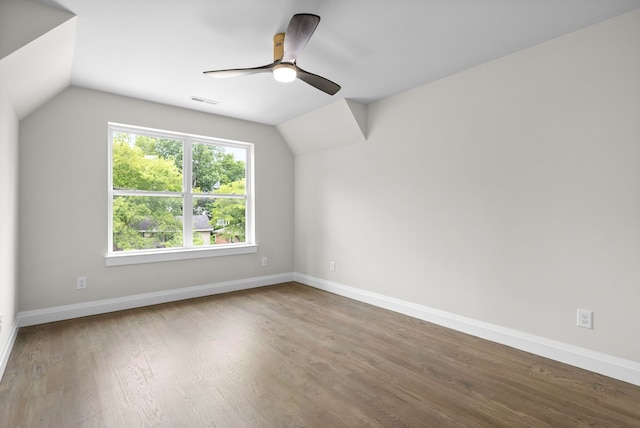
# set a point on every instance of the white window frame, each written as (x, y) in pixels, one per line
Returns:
(117, 258)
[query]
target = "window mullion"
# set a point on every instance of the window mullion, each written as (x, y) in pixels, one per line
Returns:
(127, 192)
(187, 200)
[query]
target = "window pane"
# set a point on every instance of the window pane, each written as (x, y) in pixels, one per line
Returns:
(147, 163)
(146, 222)
(223, 219)
(202, 228)
(217, 169)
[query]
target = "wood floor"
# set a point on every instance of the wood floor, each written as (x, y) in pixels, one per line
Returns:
(290, 356)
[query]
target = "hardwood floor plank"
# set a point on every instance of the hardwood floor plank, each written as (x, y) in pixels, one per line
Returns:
(291, 356)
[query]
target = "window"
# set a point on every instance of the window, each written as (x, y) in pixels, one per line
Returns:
(175, 196)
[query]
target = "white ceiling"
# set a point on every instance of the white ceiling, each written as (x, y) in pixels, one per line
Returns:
(157, 49)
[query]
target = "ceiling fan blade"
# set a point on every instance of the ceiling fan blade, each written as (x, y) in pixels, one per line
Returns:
(319, 82)
(301, 27)
(237, 72)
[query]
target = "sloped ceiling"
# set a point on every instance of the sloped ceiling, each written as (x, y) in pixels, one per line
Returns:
(157, 50)
(374, 49)
(36, 47)
(340, 123)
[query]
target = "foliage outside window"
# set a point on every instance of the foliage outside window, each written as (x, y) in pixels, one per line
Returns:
(171, 191)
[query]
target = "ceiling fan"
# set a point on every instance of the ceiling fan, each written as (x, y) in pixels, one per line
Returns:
(286, 48)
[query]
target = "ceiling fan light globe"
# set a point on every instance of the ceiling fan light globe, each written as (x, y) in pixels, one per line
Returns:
(284, 73)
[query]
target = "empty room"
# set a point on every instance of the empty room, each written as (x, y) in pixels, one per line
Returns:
(320, 213)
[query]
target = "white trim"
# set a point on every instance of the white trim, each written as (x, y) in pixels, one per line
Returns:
(617, 368)
(137, 257)
(187, 195)
(6, 351)
(59, 313)
(608, 365)
(187, 201)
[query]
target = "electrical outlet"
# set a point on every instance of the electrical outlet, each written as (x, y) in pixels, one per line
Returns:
(332, 266)
(265, 261)
(81, 283)
(585, 318)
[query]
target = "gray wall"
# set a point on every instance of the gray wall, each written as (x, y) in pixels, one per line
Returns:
(8, 219)
(63, 201)
(509, 193)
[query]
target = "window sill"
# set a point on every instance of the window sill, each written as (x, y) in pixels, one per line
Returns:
(138, 257)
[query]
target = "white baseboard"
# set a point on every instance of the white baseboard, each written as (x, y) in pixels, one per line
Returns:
(6, 351)
(59, 313)
(617, 368)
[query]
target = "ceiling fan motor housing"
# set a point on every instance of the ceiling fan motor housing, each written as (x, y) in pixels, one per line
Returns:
(278, 46)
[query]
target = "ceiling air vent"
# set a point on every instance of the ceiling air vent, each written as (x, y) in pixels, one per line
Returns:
(203, 100)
